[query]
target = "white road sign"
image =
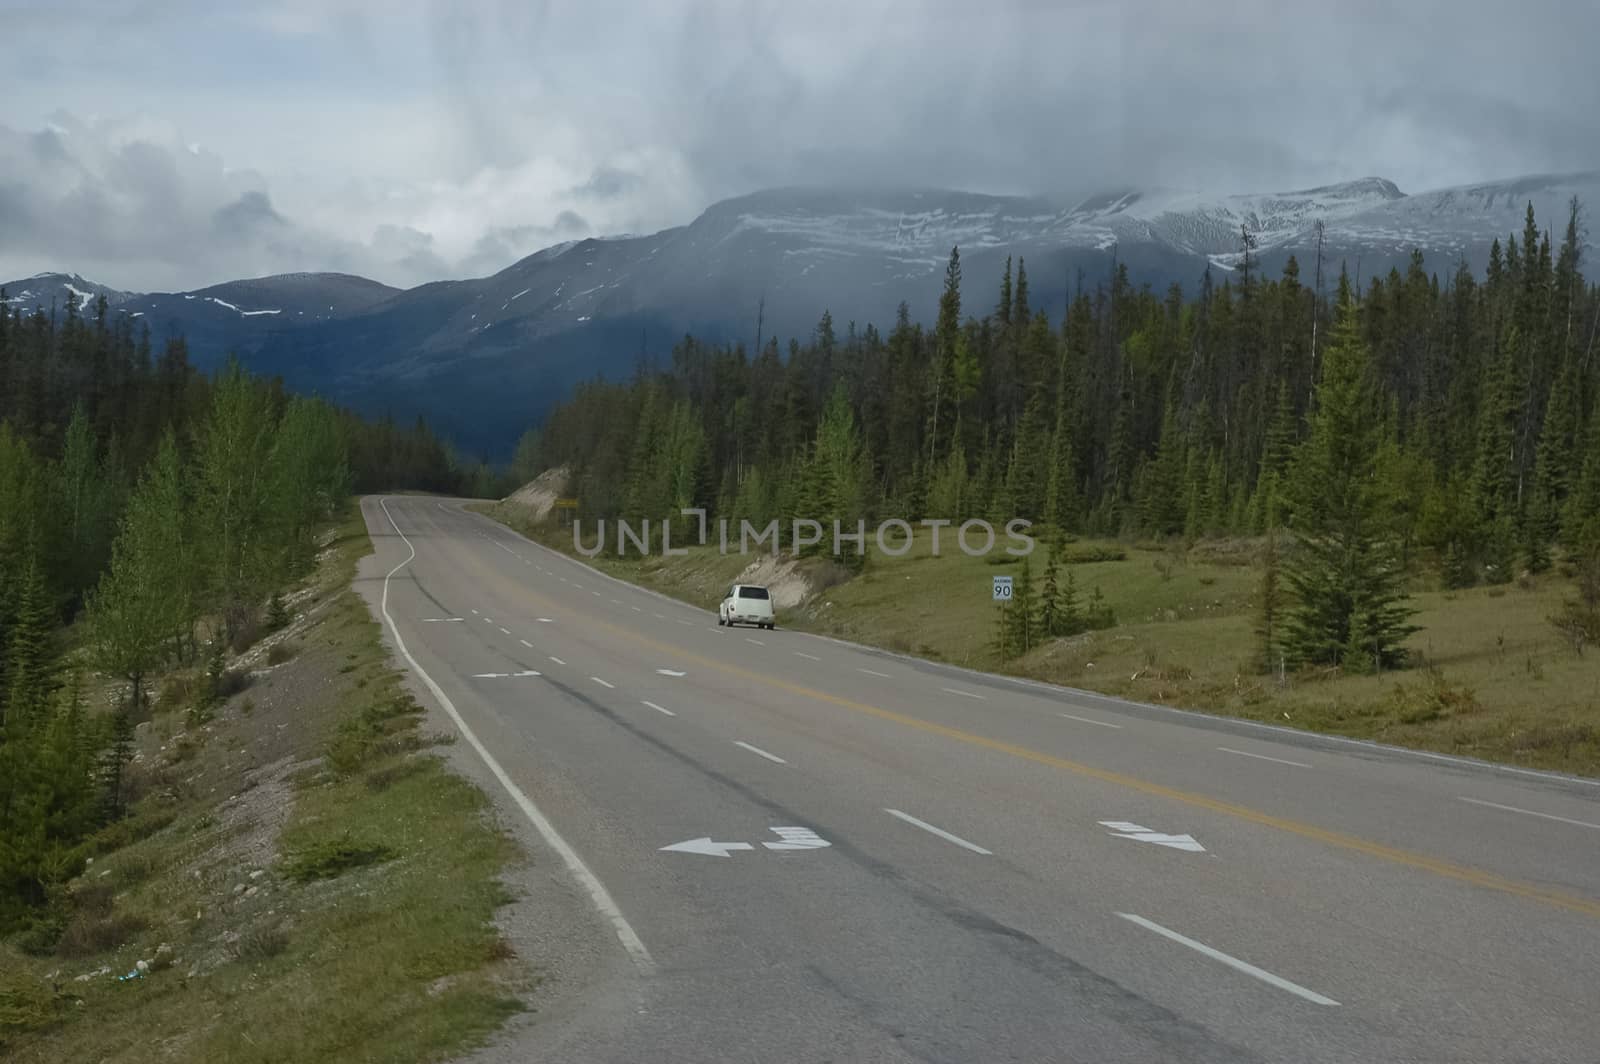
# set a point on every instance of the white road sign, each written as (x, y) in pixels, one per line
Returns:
(1002, 589)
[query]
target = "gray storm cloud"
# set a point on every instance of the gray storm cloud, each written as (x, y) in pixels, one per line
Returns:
(416, 139)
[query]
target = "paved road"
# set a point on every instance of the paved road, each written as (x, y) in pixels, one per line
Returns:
(882, 859)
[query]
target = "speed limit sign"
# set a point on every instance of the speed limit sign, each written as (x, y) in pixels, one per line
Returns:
(1002, 589)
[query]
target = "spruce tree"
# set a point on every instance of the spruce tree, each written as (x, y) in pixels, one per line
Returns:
(1269, 608)
(1350, 601)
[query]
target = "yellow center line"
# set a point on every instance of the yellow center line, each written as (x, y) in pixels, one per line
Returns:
(1461, 873)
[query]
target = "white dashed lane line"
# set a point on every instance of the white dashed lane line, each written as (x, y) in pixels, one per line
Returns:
(602, 683)
(525, 643)
(660, 709)
(1089, 720)
(757, 642)
(803, 654)
(1232, 962)
(1262, 757)
(874, 672)
(557, 660)
(759, 752)
(965, 694)
(945, 835)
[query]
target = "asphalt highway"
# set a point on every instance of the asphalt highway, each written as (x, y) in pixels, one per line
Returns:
(805, 850)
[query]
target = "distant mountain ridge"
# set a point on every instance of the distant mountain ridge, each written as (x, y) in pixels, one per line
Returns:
(483, 358)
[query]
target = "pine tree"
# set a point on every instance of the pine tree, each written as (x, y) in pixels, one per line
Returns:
(1269, 608)
(1023, 613)
(1050, 597)
(1346, 576)
(1584, 501)
(29, 649)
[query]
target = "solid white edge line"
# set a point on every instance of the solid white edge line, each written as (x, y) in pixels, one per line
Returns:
(1263, 757)
(1088, 720)
(660, 709)
(759, 751)
(602, 683)
(631, 942)
(1232, 962)
(1530, 812)
(945, 835)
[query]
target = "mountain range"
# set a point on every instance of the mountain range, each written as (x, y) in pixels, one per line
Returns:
(484, 358)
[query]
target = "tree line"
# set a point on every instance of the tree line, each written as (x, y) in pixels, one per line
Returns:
(1415, 427)
(149, 514)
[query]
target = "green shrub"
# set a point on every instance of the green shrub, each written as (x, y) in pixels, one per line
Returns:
(333, 857)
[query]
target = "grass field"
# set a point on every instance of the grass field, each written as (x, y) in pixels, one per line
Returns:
(1489, 676)
(301, 878)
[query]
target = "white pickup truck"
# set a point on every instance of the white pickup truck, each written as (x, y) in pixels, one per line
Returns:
(746, 604)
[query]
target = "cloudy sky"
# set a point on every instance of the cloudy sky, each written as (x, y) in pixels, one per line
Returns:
(165, 144)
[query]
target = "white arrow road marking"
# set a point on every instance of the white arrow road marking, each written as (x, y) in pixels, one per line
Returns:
(602, 683)
(797, 839)
(1121, 829)
(671, 672)
(1262, 757)
(441, 620)
(759, 752)
(659, 709)
(1232, 962)
(704, 845)
(945, 835)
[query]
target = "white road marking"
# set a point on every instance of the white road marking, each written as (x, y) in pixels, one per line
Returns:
(704, 845)
(945, 835)
(637, 610)
(757, 642)
(488, 620)
(659, 617)
(614, 602)
(661, 709)
(527, 672)
(545, 620)
(1262, 757)
(525, 643)
(564, 580)
(577, 585)
(681, 621)
(602, 683)
(1232, 962)
(671, 672)
(504, 630)
(596, 594)
(1530, 812)
(1086, 720)
(1121, 829)
(873, 672)
(797, 839)
(557, 660)
(966, 694)
(441, 620)
(489, 675)
(598, 895)
(474, 612)
(803, 654)
(757, 750)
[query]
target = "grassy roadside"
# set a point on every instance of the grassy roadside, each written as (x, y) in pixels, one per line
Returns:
(300, 879)
(1491, 678)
